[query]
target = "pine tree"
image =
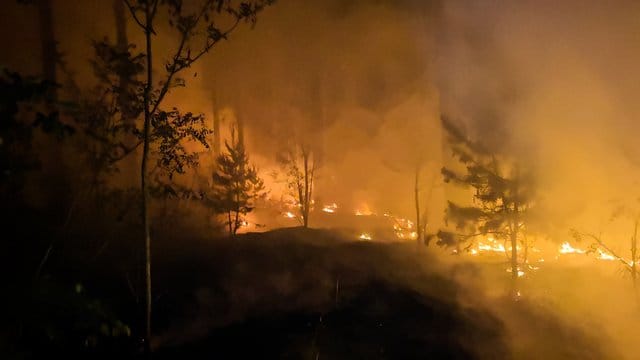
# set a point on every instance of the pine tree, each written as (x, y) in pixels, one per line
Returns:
(503, 196)
(236, 185)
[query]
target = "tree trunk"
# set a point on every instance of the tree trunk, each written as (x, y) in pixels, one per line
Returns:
(514, 258)
(305, 206)
(216, 127)
(236, 223)
(240, 125)
(514, 238)
(143, 179)
(634, 260)
(237, 215)
(47, 43)
(416, 195)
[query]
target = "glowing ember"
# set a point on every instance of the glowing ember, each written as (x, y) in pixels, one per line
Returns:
(331, 208)
(566, 248)
(605, 256)
(520, 272)
(289, 215)
(364, 236)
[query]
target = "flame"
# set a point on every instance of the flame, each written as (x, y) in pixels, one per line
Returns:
(364, 236)
(605, 256)
(490, 244)
(566, 248)
(289, 215)
(491, 247)
(331, 208)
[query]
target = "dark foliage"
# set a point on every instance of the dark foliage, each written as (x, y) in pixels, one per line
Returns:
(25, 106)
(236, 185)
(503, 191)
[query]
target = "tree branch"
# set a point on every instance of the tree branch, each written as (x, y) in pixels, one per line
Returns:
(601, 243)
(132, 10)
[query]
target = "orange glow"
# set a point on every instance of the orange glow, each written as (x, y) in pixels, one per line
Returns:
(566, 248)
(331, 208)
(520, 272)
(490, 244)
(363, 210)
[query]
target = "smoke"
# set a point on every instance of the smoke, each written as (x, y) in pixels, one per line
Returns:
(553, 83)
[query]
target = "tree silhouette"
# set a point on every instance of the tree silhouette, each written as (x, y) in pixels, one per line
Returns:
(236, 185)
(503, 195)
(299, 164)
(198, 32)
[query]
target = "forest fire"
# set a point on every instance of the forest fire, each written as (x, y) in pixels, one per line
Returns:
(318, 179)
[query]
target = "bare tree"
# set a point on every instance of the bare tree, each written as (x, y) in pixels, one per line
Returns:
(299, 164)
(599, 244)
(422, 200)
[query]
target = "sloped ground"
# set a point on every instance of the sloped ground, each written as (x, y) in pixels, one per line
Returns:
(309, 294)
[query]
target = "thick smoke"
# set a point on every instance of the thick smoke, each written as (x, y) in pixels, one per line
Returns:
(554, 83)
